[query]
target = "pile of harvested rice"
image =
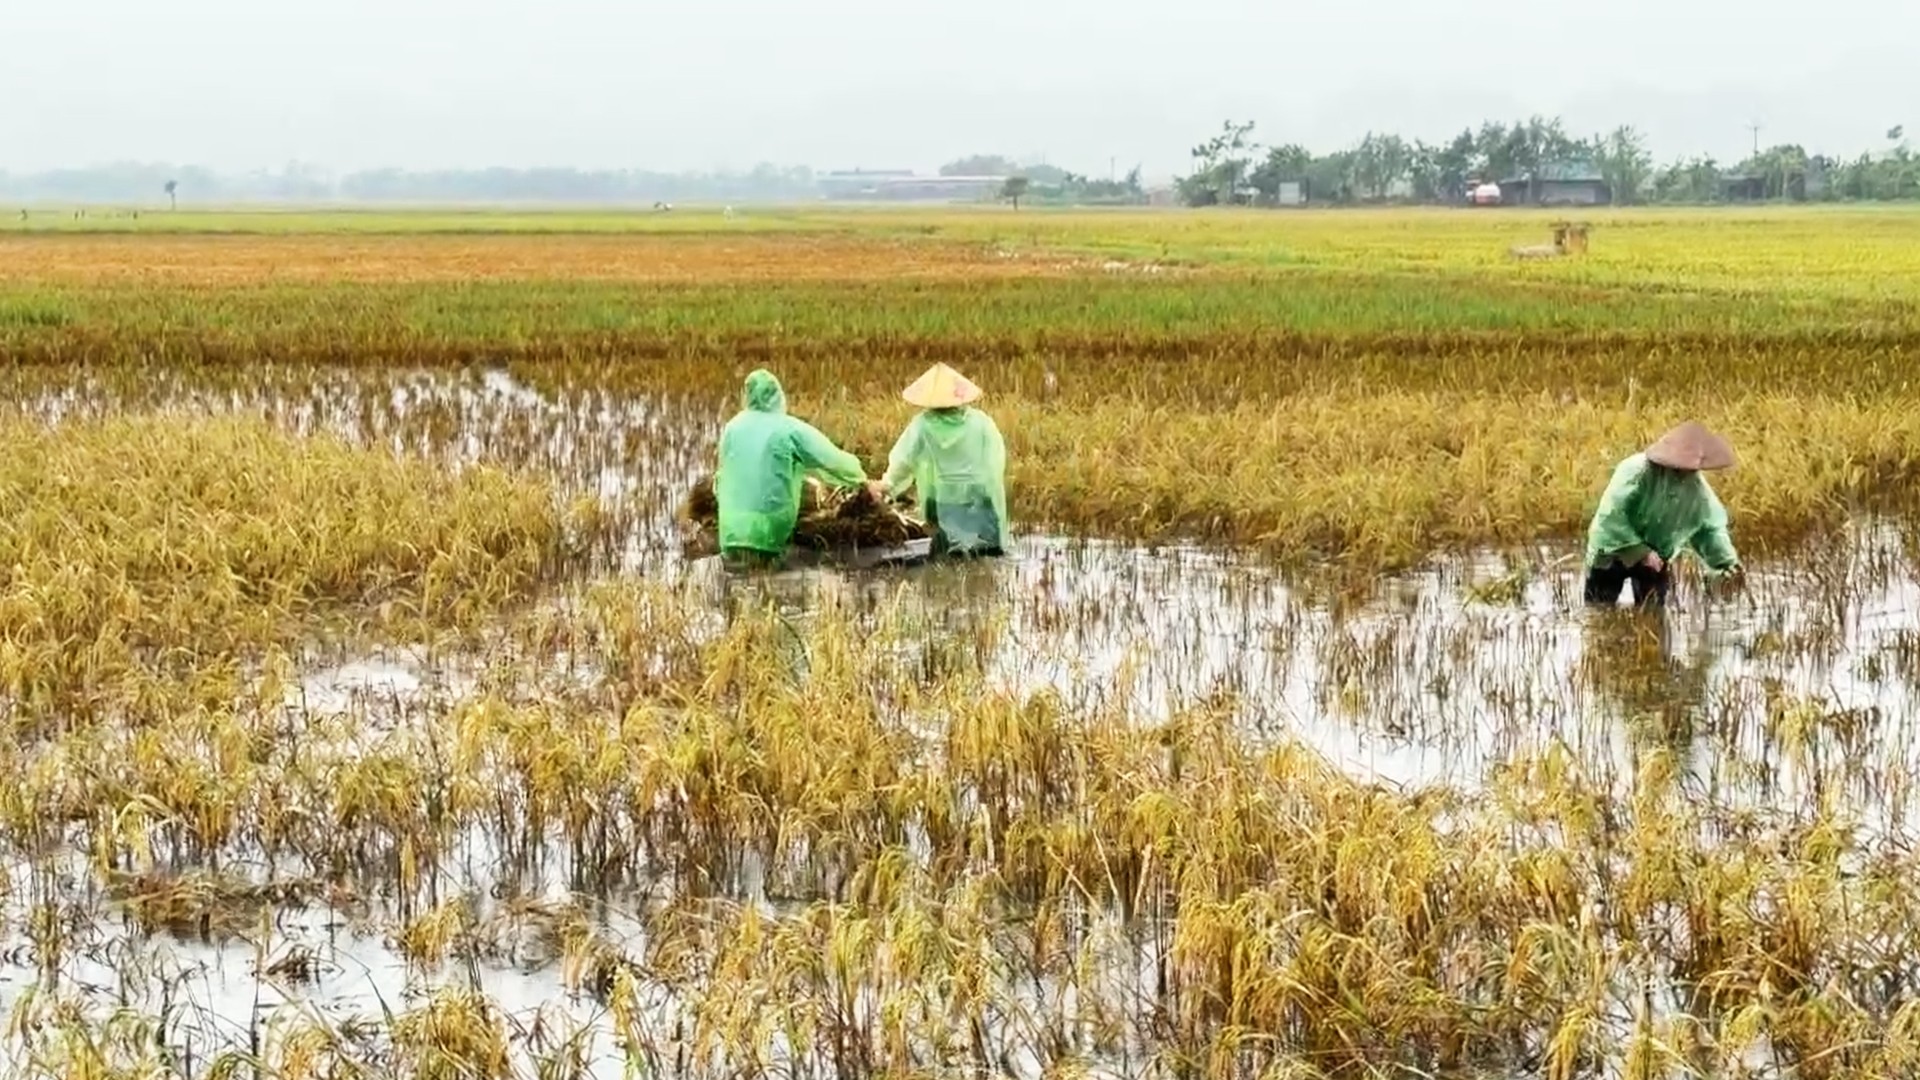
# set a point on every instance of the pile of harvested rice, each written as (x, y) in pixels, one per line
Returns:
(829, 518)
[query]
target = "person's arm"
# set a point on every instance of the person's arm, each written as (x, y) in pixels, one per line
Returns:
(818, 455)
(1712, 540)
(1614, 533)
(900, 460)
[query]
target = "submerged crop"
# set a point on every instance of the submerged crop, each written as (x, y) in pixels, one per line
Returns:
(367, 719)
(176, 547)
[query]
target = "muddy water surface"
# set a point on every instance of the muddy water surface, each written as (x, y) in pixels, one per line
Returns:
(1438, 677)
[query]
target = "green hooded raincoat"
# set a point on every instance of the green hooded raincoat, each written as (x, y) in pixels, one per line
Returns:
(1649, 508)
(765, 455)
(957, 465)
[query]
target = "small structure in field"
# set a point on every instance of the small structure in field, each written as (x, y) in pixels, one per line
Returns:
(1561, 183)
(1796, 183)
(1569, 238)
(903, 185)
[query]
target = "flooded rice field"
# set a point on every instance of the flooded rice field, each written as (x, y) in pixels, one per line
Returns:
(573, 943)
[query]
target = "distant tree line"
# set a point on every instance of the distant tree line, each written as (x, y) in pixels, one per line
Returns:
(1231, 168)
(143, 183)
(1050, 184)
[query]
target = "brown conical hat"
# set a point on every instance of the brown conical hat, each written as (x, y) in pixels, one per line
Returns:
(1691, 446)
(941, 388)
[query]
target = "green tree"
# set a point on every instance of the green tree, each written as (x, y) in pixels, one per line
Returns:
(1624, 164)
(980, 165)
(1379, 163)
(1225, 164)
(1282, 165)
(1782, 171)
(1332, 177)
(173, 194)
(1015, 189)
(1506, 152)
(1491, 154)
(1378, 166)
(1456, 167)
(1045, 175)
(1423, 171)
(1693, 180)
(1899, 172)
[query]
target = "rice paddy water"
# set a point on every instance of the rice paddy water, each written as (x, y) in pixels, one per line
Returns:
(367, 717)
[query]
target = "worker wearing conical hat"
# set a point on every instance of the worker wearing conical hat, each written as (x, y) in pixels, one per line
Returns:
(1657, 505)
(765, 456)
(953, 458)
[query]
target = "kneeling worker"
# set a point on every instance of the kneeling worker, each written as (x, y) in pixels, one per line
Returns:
(765, 455)
(1657, 505)
(952, 455)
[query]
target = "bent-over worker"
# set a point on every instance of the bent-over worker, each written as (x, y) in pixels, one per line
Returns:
(952, 456)
(765, 456)
(1657, 505)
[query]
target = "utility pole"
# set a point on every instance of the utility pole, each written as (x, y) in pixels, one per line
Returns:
(1755, 128)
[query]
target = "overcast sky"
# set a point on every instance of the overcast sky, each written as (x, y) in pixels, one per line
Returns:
(349, 84)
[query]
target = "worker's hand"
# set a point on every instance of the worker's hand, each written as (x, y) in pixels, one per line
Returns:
(877, 489)
(1654, 562)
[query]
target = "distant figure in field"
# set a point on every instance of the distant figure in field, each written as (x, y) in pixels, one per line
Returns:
(952, 455)
(765, 455)
(1657, 505)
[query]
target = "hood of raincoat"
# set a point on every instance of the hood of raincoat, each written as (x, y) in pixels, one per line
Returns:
(763, 393)
(945, 427)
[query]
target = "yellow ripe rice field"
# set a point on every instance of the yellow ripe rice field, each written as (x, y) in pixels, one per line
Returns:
(367, 717)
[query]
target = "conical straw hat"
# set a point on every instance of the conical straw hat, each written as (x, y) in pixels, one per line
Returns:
(1691, 446)
(941, 388)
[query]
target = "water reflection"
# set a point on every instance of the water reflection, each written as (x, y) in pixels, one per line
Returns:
(1765, 699)
(1422, 685)
(1431, 678)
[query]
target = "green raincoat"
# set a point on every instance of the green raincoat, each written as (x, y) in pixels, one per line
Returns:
(765, 455)
(1649, 508)
(957, 465)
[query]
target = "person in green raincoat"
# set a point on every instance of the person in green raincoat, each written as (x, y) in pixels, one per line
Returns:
(952, 456)
(1657, 505)
(765, 455)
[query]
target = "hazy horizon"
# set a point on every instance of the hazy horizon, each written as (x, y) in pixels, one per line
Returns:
(591, 84)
